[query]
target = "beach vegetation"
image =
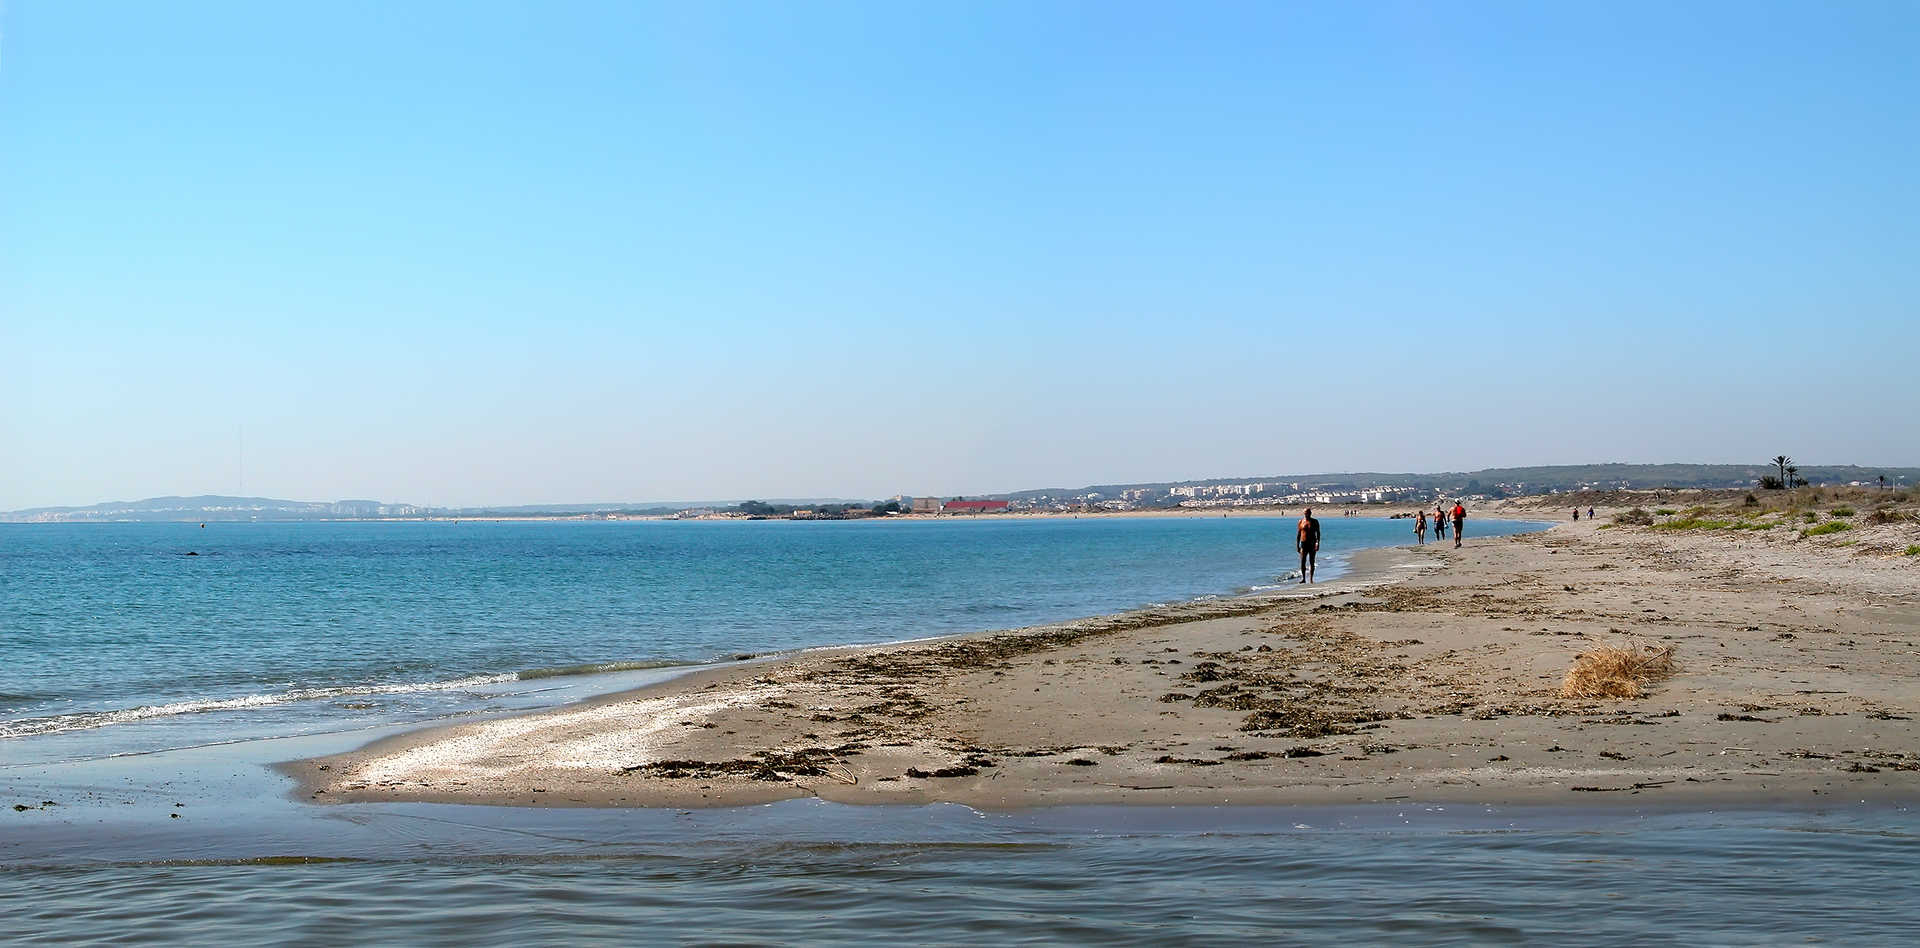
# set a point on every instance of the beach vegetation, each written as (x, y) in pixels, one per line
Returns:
(1810, 517)
(1913, 549)
(1617, 671)
(1831, 526)
(1780, 462)
(1770, 482)
(1840, 512)
(1751, 501)
(1638, 517)
(1694, 523)
(1665, 511)
(1885, 515)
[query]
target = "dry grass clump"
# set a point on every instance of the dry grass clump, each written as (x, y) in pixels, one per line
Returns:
(1638, 516)
(1613, 671)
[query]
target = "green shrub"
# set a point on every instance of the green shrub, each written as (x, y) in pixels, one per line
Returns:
(1913, 549)
(1666, 511)
(1842, 512)
(1811, 517)
(1752, 501)
(1694, 523)
(1831, 526)
(1638, 517)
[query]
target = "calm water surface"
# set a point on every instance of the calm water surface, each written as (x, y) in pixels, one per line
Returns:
(804, 872)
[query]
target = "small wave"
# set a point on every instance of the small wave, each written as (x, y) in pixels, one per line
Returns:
(80, 721)
(594, 668)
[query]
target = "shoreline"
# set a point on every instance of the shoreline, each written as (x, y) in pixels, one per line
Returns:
(1376, 688)
(1364, 569)
(1337, 566)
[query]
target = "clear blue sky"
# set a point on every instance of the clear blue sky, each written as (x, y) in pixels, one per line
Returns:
(465, 253)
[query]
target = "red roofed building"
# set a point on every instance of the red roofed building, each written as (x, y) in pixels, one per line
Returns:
(973, 506)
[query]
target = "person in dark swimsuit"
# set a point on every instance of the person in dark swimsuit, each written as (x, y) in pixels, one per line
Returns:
(1306, 539)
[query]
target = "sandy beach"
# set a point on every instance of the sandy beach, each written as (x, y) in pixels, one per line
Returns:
(1428, 673)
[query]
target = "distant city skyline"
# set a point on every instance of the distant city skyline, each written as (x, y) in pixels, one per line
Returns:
(506, 254)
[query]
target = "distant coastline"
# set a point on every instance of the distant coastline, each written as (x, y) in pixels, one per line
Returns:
(1253, 495)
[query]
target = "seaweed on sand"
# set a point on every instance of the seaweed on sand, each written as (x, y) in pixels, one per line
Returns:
(1616, 671)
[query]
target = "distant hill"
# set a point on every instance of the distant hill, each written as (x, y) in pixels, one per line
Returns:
(217, 508)
(1497, 481)
(214, 507)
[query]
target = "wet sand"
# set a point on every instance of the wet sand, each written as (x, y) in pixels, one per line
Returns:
(1429, 674)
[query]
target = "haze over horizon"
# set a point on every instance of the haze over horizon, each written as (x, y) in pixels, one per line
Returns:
(473, 254)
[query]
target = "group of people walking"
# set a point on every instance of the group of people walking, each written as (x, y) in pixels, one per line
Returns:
(1440, 517)
(1307, 532)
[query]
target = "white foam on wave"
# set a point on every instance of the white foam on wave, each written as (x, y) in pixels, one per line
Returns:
(83, 720)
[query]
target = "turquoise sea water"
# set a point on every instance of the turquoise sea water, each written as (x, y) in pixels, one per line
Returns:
(144, 692)
(115, 630)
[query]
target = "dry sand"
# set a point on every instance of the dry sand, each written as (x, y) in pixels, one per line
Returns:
(1432, 674)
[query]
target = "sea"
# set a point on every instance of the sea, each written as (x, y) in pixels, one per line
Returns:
(151, 674)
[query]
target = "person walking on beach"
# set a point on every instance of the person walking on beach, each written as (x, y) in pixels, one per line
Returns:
(1306, 539)
(1459, 522)
(1439, 524)
(1420, 527)
(1576, 515)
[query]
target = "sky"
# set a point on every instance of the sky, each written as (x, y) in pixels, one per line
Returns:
(496, 253)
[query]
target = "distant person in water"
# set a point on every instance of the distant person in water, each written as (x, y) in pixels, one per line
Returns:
(1420, 527)
(1306, 539)
(1459, 522)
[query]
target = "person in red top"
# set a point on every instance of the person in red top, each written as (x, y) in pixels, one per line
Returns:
(1459, 522)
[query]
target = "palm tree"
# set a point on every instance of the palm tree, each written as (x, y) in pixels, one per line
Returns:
(1793, 476)
(1781, 461)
